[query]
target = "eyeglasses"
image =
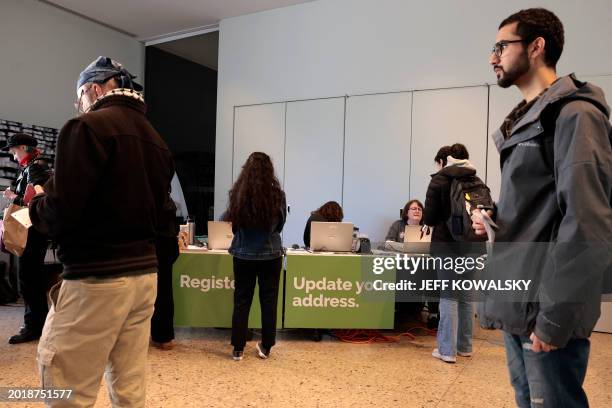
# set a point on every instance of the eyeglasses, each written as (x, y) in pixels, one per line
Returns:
(415, 209)
(500, 46)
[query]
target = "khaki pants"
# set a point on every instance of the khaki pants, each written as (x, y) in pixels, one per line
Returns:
(95, 327)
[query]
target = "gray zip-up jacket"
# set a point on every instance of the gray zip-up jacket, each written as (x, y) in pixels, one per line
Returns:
(555, 217)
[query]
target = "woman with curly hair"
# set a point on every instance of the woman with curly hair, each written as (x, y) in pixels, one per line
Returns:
(257, 211)
(328, 212)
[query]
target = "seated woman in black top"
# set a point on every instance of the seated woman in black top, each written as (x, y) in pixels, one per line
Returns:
(328, 212)
(411, 215)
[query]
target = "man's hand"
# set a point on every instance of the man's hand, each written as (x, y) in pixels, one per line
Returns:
(478, 223)
(538, 345)
(9, 194)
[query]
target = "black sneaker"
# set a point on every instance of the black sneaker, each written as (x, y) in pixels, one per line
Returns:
(262, 352)
(25, 335)
(237, 355)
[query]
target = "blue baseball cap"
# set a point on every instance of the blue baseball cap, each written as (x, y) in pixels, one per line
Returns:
(102, 69)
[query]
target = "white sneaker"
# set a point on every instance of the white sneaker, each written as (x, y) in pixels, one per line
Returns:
(446, 359)
(262, 352)
(464, 354)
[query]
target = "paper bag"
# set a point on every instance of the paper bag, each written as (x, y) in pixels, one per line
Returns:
(14, 234)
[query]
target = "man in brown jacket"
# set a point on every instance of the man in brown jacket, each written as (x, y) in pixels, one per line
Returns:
(104, 206)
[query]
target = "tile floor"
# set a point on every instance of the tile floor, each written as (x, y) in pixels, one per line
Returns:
(303, 373)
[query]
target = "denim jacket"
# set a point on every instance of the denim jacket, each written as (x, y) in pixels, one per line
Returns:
(257, 243)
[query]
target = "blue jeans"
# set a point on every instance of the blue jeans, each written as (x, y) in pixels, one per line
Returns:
(455, 327)
(551, 379)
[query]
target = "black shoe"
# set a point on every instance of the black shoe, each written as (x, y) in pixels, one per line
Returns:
(25, 335)
(237, 354)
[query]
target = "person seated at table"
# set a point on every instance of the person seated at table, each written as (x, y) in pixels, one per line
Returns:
(328, 212)
(412, 214)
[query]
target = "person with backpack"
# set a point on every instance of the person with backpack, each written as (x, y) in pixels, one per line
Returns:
(556, 186)
(445, 211)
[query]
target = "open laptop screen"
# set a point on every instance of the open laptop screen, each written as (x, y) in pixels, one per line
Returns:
(220, 235)
(331, 236)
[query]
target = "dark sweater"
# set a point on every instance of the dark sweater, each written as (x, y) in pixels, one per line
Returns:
(35, 172)
(105, 203)
(313, 217)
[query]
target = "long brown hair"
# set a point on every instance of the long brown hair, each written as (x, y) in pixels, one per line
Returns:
(256, 198)
(331, 211)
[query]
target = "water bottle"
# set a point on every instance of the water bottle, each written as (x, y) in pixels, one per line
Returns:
(191, 228)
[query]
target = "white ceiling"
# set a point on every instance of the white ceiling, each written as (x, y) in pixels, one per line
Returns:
(148, 19)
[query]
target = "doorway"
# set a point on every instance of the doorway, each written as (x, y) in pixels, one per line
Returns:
(181, 95)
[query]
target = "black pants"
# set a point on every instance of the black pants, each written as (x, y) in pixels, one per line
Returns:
(33, 280)
(162, 322)
(246, 273)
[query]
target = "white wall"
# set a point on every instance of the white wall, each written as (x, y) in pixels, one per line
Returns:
(260, 128)
(313, 160)
(336, 47)
(443, 118)
(377, 161)
(43, 50)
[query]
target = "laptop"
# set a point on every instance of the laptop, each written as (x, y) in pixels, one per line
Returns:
(415, 240)
(331, 236)
(220, 235)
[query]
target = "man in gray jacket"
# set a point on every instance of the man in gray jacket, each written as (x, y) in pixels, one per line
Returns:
(554, 214)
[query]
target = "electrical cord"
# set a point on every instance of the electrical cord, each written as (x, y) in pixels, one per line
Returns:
(360, 336)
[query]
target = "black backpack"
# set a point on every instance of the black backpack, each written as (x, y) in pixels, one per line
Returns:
(466, 194)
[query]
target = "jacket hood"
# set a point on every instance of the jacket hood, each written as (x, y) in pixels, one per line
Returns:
(565, 88)
(451, 161)
(457, 168)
